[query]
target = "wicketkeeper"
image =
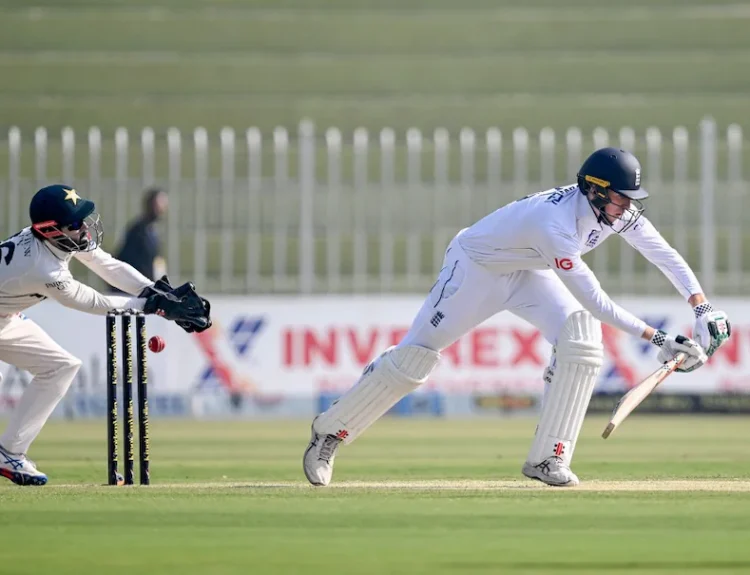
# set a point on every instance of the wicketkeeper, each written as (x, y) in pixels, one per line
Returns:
(33, 267)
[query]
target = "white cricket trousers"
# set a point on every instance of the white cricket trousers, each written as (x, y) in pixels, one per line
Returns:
(27, 346)
(467, 293)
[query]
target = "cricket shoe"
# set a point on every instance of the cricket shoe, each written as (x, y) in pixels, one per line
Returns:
(19, 469)
(551, 471)
(319, 455)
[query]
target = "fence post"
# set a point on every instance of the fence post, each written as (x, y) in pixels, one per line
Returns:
(147, 164)
(40, 164)
(68, 141)
(307, 208)
(467, 141)
(334, 210)
(254, 237)
(708, 186)
(226, 274)
(95, 164)
(735, 193)
(361, 147)
(680, 139)
(414, 181)
(387, 215)
(574, 145)
(200, 141)
(14, 180)
(95, 176)
(627, 254)
(627, 139)
(547, 157)
(174, 151)
(654, 179)
(494, 142)
(280, 216)
(121, 181)
(440, 195)
(520, 162)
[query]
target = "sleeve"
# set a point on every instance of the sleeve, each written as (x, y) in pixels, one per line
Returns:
(68, 291)
(561, 252)
(645, 238)
(117, 273)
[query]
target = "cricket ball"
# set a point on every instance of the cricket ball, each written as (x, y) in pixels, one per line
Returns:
(156, 344)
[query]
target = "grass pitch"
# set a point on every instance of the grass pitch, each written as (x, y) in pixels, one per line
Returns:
(662, 495)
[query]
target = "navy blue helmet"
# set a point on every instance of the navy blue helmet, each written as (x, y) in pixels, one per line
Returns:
(65, 219)
(613, 170)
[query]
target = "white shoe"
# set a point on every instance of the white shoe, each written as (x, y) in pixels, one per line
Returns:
(551, 471)
(319, 455)
(19, 469)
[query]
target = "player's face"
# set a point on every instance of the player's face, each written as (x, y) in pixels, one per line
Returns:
(83, 235)
(619, 211)
(617, 206)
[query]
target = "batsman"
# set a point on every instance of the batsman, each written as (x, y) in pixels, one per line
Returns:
(34, 265)
(525, 258)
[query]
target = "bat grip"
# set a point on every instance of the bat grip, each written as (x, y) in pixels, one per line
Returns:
(679, 358)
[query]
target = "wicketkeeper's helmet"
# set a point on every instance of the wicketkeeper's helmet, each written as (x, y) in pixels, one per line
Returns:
(66, 220)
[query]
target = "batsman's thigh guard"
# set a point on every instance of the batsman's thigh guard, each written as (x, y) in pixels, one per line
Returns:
(579, 358)
(385, 381)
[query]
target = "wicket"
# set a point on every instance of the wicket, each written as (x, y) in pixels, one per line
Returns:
(113, 476)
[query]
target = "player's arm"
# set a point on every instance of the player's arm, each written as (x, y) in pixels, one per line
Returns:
(562, 254)
(712, 327)
(117, 273)
(68, 291)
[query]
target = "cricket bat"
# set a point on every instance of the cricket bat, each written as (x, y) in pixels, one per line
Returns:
(635, 396)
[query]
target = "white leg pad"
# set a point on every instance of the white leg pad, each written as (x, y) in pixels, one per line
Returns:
(384, 382)
(580, 355)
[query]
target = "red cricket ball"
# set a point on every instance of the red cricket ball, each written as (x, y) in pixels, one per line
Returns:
(156, 344)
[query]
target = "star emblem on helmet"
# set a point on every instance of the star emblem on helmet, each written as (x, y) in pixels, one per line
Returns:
(72, 195)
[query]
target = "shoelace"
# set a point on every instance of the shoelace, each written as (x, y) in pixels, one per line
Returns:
(330, 443)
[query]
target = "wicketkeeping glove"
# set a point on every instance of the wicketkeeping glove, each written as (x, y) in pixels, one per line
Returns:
(671, 346)
(712, 328)
(195, 310)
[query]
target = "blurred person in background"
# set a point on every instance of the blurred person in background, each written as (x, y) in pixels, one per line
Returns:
(141, 247)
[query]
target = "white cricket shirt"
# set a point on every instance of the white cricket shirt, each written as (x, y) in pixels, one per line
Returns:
(32, 270)
(553, 229)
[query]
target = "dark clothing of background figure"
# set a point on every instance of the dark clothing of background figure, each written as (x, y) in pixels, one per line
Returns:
(141, 247)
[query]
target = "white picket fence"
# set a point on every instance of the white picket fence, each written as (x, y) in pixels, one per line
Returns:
(333, 212)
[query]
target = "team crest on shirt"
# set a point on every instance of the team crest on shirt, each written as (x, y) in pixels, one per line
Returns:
(593, 238)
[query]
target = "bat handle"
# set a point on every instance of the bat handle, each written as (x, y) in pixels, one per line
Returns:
(679, 358)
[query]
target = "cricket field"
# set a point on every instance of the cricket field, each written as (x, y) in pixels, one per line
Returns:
(662, 495)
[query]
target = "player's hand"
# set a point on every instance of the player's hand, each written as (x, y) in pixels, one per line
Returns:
(712, 328)
(161, 285)
(174, 308)
(671, 346)
(186, 290)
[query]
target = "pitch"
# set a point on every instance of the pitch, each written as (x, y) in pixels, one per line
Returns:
(666, 495)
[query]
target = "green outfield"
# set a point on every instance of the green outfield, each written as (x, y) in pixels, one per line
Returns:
(663, 495)
(421, 63)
